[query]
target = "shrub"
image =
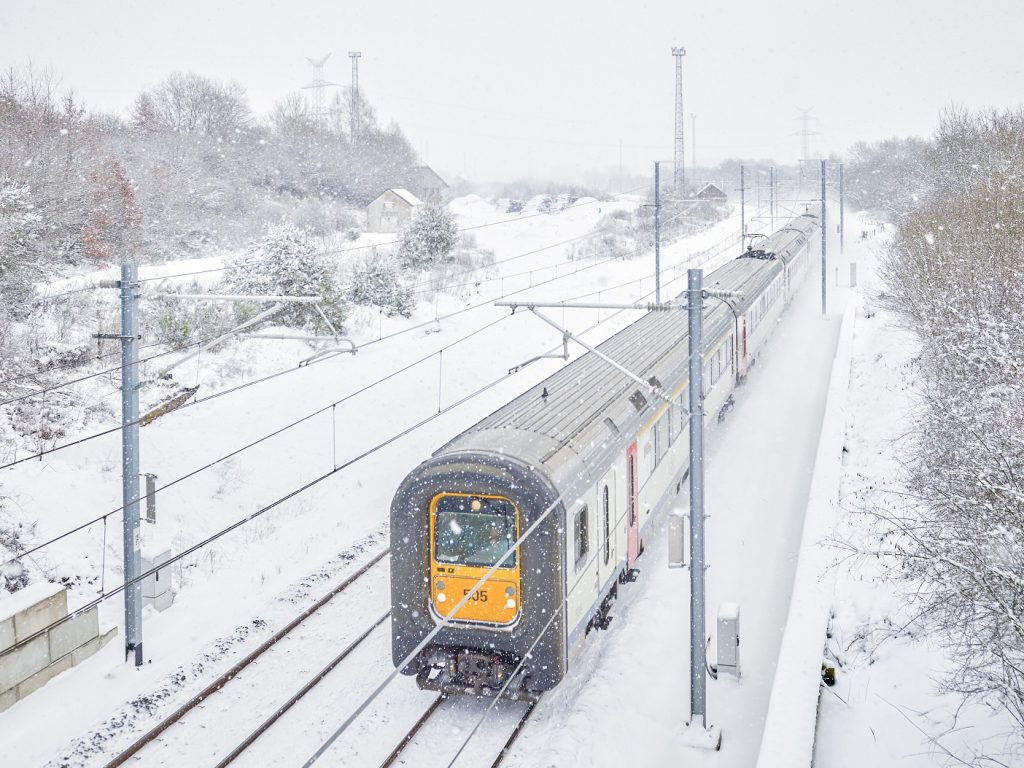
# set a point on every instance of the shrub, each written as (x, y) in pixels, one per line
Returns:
(376, 281)
(177, 322)
(287, 263)
(428, 239)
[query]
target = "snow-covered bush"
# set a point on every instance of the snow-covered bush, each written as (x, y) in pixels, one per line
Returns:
(177, 322)
(13, 535)
(456, 274)
(287, 263)
(377, 282)
(428, 239)
(20, 226)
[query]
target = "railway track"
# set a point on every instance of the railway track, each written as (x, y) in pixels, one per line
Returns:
(223, 681)
(430, 713)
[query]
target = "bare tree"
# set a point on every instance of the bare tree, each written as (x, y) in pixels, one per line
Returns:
(955, 273)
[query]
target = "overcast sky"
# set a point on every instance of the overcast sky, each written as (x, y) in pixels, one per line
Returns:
(498, 90)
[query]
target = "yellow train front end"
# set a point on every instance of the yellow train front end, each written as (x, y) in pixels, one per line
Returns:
(469, 535)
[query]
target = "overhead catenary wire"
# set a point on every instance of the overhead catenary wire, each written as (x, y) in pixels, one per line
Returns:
(104, 372)
(267, 436)
(258, 513)
(291, 494)
(45, 452)
(332, 406)
(218, 269)
(39, 454)
(210, 270)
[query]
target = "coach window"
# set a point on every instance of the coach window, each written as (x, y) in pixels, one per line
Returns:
(661, 438)
(607, 530)
(673, 424)
(684, 407)
(581, 537)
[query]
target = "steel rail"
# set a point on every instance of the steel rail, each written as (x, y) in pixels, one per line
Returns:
(136, 746)
(515, 734)
(281, 710)
(390, 759)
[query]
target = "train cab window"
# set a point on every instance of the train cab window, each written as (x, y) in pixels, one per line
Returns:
(606, 503)
(580, 537)
(472, 530)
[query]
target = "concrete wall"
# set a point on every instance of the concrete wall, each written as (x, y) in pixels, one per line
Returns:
(36, 662)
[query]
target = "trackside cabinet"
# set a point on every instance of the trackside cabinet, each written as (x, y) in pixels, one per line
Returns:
(729, 639)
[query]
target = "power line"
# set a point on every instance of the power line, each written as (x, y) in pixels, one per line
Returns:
(105, 371)
(315, 481)
(258, 513)
(277, 374)
(351, 395)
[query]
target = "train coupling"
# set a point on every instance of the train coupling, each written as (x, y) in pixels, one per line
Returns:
(474, 673)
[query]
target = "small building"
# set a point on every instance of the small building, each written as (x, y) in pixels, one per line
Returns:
(427, 185)
(711, 193)
(391, 211)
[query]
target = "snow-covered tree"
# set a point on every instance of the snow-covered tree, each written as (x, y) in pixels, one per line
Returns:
(287, 263)
(955, 273)
(377, 282)
(429, 238)
(20, 227)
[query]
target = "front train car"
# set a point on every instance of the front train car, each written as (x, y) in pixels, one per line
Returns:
(452, 520)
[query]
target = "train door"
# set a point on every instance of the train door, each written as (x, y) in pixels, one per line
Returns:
(742, 346)
(632, 516)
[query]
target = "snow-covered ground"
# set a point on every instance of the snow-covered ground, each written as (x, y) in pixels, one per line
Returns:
(626, 700)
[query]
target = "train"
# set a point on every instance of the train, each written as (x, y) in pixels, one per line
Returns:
(583, 461)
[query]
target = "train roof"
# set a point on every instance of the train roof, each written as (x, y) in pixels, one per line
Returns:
(535, 427)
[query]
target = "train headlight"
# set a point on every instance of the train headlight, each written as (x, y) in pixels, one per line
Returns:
(440, 586)
(441, 597)
(508, 591)
(510, 603)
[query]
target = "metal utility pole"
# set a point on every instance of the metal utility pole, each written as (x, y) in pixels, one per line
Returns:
(771, 196)
(695, 315)
(130, 460)
(354, 115)
(824, 239)
(743, 203)
(680, 160)
(841, 205)
(693, 141)
(657, 231)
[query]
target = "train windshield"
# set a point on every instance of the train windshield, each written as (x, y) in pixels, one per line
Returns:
(472, 530)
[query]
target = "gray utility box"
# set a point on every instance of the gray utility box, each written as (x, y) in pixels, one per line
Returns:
(156, 588)
(677, 538)
(729, 639)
